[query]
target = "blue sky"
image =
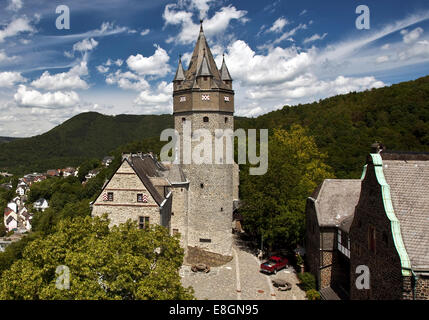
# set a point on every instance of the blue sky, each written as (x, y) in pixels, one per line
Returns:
(120, 56)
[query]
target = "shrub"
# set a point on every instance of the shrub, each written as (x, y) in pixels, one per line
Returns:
(312, 294)
(307, 281)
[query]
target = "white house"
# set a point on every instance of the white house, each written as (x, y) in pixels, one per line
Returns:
(41, 204)
(22, 188)
(10, 219)
(25, 218)
(13, 206)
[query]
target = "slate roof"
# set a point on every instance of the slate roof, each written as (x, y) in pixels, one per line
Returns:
(409, 189)
(224, 73)
(145, 166)
(200, 52)
(336, 200)
(180, 72)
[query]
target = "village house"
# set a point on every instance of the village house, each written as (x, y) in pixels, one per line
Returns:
(92, 173)
(193, 200)
(107, 160)
(10, 219)
(380, 221)
(69, 171)
(53, 173)
(6, 186)
(41, 204)
(22, 188)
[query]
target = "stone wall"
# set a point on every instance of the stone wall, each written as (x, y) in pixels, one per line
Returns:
(312, 242)
(179, 213)
(125, 185)
(383, 263)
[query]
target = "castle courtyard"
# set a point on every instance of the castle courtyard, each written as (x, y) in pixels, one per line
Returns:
(240, 279)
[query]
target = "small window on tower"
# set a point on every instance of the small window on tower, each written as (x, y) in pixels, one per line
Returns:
(182, 99)
(202, 185)
(226, 98)
(183, 119)
(206, 119)
(226, 119)
(110, 196)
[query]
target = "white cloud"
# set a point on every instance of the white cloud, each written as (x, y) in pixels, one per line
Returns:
(385, 47)
(4, 58)
(65, 80)
(9, 79)
(303, 12)
(157, 101)
(102, 69)
(217, 24)
(51, 100)
(412, 36)
(127, 80)
(17, 26)
(283, 76)
(14, 5)
(145, 32)
(288, 34)
(315, 37)
(382, 59)
(278, 25)
(155, 65)
(85, 45)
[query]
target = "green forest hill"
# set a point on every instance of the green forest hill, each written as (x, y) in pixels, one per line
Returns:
(343, 126)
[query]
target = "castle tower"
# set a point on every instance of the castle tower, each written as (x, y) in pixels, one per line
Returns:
(203, 98)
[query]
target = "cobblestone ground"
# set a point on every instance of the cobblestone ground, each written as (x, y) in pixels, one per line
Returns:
(240, 279)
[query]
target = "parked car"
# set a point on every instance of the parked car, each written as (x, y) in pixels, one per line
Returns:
(274, 264)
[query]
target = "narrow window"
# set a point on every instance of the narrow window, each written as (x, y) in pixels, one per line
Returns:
(205, 240)
(206, 119)
(202, 185)
(139, 197)
(110, 196)
(226, 119)
(183, 119)
(143, 222)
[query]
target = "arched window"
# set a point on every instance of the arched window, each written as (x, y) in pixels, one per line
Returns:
(206, 119)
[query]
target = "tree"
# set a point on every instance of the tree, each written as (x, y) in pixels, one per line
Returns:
(274, 203)
(122, 262)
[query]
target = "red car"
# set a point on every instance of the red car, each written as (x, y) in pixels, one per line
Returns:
(274, 264)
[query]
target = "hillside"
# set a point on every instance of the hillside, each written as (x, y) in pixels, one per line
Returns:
(6, 139)
(344, 127)
(87, 135)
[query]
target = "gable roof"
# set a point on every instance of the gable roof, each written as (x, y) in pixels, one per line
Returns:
(335, 200)
(409, 185)
(145, 167)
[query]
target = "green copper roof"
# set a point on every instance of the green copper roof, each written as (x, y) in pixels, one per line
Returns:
(388, 207)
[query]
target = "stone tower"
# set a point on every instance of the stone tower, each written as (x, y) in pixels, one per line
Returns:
(203, 98)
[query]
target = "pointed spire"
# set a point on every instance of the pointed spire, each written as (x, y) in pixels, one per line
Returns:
(204, 68)
(224, 73)
(180, 73)
(201, 26)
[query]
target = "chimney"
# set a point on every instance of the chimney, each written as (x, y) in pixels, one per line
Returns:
(377, 147)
